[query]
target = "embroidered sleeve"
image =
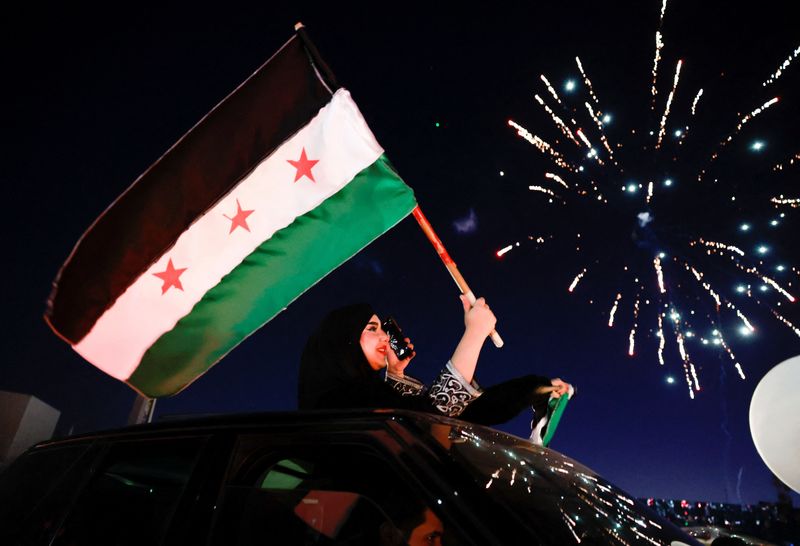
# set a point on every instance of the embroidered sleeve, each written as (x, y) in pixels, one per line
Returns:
(405, 385)
(450, 392)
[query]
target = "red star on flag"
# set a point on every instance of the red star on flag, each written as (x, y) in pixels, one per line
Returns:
(303, 166)
(171, 277)
(239, 219)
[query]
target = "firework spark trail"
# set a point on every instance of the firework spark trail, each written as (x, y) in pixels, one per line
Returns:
(755, 272)
(699, 277)
(613, 311)
(592, 113)
(632, 335)
(684, 358)
(508, 248)
(729, 305)
(544, 190)
(663, 126)
(685, 131)
(739, 126)
(550, 88)
(696, 100)
(718, 246)
(688, 366)
(659, 45)
(659, 274)
(603, 138)
(741, 316)
(587, 82)
(732, 356)
(654, 89)
(558, 121)
(784, 320)
(504, 250)
(663, 9)
(776, 286)
(767, 280)
(717, 298)
(542, 146)
(738, 129)
(592, 152)
(553, 176)
(792, 202)
(576, 280)
(792, 160)
(661, 340)
(783, 66)
(751, 115)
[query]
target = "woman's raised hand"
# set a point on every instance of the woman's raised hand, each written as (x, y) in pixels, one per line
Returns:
(557, 388)
(478, 318)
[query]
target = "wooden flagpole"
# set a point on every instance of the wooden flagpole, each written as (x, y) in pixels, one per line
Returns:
(450, 265)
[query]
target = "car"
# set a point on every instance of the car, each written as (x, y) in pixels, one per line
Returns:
(322, 477)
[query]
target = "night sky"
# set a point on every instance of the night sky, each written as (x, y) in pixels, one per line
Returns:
(92, 97)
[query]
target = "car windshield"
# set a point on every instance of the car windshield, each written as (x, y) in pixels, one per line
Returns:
(558, 499)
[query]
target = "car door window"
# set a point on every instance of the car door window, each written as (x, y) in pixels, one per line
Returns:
(134, 494)
(343, 494)
(35, 489)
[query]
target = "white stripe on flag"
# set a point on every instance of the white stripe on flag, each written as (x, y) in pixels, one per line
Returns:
(338, 137)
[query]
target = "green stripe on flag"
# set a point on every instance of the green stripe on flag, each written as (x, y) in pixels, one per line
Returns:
(275, 274)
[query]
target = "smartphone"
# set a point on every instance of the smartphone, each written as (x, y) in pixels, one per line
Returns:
(397, 340)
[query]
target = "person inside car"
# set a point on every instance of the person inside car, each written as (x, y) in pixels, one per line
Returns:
(347, 363)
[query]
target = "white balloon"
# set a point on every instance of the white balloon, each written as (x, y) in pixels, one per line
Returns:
(775, 421)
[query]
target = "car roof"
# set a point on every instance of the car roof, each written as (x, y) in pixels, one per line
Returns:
(353, 418)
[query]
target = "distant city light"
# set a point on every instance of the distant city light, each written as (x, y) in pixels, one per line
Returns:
(745, 227)
(773, 223)
(662, 255)
(757, 145)
(502, 173)
(569, 85)
(745, 331)
(607, 118)
(632, 188)
(763, 287)
(780, 268)
(741, 289)
(668, 182)
(670, 379)
(678, 133)
(762, 249)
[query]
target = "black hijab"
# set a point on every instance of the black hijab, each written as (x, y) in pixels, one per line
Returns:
(333, 361)
(334, 373)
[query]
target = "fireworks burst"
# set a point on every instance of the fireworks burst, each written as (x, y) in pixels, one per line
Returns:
(661, 229)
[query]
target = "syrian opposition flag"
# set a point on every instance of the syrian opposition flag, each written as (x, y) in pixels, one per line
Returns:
(274, 188)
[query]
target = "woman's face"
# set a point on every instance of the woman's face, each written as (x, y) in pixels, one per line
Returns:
(374, 343)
